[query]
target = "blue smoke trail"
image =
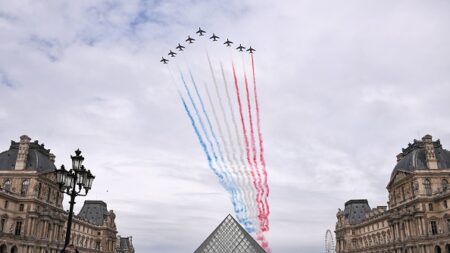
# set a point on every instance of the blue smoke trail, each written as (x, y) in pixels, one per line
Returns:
(202, 142)
(219, 147)
(199, 118)
(228, 184)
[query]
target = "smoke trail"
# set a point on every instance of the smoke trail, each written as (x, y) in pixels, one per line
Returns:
(247, 148)
(199, 137)
(262, 217)
(249, 190)
(208, 121)
(237, 203)
(202, 142)
(236, 172)
(227, 126)
(216, 119)
(208, 157)
(261, 143)
(257, 177)
(202, 125)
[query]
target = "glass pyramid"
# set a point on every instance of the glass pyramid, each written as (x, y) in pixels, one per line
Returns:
(229, 237)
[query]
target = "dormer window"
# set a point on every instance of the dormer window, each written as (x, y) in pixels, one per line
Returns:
(7, 185)
(427, 185)
(24, 189)
(444, 184)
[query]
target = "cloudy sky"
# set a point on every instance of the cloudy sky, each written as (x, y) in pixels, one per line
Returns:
(343, 86)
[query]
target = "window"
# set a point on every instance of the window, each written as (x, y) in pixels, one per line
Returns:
(448, 224)
(430, 206)
(6, 204)
(49, 193)
(24, 189)
(444, 185)
(3, 223)
(445, 204)
(7, 185)
(18, 227)
(39, 190)
(21, 207)
(97, 245)
(427, 185)
(433, 227)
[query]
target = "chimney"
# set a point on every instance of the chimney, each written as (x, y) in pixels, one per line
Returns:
(400, 156)
(52, 157)
(22, 154)
(430, 154)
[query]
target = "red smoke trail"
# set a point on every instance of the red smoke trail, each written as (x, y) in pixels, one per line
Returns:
(264, 243)
(262, 216)
(247, 148)
(261, 144)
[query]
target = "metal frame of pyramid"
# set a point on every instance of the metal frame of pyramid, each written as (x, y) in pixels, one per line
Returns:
(229, 237)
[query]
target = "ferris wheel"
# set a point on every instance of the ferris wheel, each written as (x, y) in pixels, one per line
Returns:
(329, 242)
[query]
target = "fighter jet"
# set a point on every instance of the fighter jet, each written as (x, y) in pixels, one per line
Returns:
(189, 39)
(163, 60)
(200, 32)
(214, 37)
(172, 54)
(240, 48)
(180, 47)
(251, 50)
(228, 43)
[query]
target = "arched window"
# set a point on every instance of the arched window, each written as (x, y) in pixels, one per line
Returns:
(444, 185)
(427, 185)
(24, 189)
(7, 185)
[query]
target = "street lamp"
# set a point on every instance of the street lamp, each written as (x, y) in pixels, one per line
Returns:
(72, 182)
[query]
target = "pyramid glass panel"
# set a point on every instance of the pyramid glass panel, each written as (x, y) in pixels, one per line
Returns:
(229, 237)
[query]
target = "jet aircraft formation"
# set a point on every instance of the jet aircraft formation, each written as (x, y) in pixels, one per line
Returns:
(201, 33)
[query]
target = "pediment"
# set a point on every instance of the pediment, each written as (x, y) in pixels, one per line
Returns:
(398, 176)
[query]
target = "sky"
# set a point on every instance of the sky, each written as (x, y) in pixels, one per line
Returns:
(342, 85)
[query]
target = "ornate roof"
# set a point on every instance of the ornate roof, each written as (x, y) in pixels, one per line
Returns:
(414, 157)
(355, 210)
(125, 244)
(38, 158)
(94, 211)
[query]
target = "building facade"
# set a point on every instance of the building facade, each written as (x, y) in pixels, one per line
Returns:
(417, 217)
(32, 218)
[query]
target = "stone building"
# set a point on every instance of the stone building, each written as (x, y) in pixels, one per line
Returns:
(417, 218)
(32, 218)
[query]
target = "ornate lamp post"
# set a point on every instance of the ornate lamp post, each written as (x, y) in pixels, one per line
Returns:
(72, 182)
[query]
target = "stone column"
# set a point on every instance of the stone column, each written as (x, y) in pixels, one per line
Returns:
(430, 154)
(22, 154)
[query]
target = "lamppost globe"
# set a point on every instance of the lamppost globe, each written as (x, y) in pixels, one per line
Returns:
(89, 180)
(61, 175)
(77, 160)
